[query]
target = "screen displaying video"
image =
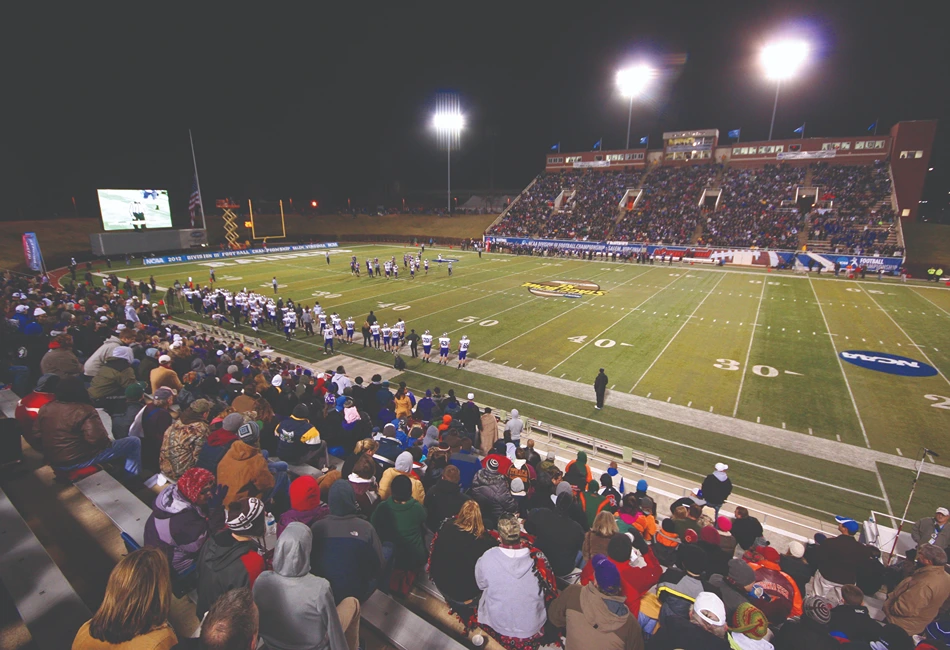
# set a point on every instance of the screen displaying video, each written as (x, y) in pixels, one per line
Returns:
(135, 209)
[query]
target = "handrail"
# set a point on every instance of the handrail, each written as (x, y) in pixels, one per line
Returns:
(504, 212)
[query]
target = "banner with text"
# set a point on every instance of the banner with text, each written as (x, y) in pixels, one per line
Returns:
(806, 155)
(31, 251)
(217, 255)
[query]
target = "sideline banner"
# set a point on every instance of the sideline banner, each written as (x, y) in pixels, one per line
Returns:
(31, 251)
(806, 155)
(217, 255)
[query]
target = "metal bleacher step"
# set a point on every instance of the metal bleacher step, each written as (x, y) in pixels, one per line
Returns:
(404, 629)
(126, 510)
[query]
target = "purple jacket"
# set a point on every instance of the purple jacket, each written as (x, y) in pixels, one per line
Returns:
(177, 527)
(305, 517)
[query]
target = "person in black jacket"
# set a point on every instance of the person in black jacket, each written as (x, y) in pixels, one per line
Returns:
(444, 499)
(558, 536)
(600, 388)
(490, 489)
(716, 488)
(853, 619)
(746, 528)
(811, 631)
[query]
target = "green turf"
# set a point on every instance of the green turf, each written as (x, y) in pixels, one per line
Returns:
(734, 341)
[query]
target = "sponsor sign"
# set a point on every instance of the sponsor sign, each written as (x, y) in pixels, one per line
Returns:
(806, 155)
(580, 164)
(31, 251)
(564, 288)
(217, 255)
(892, 364)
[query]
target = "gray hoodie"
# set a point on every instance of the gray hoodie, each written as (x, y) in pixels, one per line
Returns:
(511, 602)
(296, 608)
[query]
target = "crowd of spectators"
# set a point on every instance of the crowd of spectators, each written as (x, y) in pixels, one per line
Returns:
(749, 211)
(527, 552)
(669, 209)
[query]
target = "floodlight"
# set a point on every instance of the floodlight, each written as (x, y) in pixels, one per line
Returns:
(633, 81)
(448, 122)
(783, 59)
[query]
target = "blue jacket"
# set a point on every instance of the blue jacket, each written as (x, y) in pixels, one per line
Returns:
(468, 465)
(292, 436)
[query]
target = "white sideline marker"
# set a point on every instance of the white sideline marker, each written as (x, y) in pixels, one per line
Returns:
(648, 394)
(518, 366)
(668, 399)
(612, 386)
(690, 403)
(898, 451)
(532, 370)
(758, 419)
(838, 436)
(810, 431)
(783, 425)
(710, 409)
(562, 375)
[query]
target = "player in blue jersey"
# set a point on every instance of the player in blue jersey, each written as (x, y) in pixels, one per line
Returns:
(426, 346)
(444, 343)
(374, 329)
(463, 351)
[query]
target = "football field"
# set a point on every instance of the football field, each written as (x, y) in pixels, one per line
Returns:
(820, 390)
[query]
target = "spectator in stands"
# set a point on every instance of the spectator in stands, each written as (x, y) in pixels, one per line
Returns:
(602, 529)
(146, 366)
(593, 503)
(702, 628)
(467, 462)
(134, 403)
(852, 619)
(400, 520)
(247, 473)
(639, 571)
(104, 352)
(492, 493)
(163, 376)
(363, 481)
(456, 548)
(558, 536)
(811, 631)
(717, 560)
(183, 440)
(577, 472)
(28, 408)
(917, 599)
(232, 558)
(516, 584)
(135, 608)
(346, 548)
(298, 440)
(716, 488)
(74, 437)
(115, 374)
(60, 360)
(444, 499)
(514, 426)
(403, 468)
(595, 615)
(794, 564)
(783, 597)
(233, 622)
(487, 430)
(933, 530)
(727, 542)
(156, 419)
(734, 586)
(745, 528)
(749, 628)
(365, 447)
(837, 560)
(305, 504)
(297, 608)
(181, 517)
(219, 442)
(679, 586)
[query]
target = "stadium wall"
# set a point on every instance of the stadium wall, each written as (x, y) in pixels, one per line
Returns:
(146, 241)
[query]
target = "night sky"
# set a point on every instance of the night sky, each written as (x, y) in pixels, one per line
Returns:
(332, 102)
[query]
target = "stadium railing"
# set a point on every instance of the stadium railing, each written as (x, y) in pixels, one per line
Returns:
(504, 212)
(596, 445)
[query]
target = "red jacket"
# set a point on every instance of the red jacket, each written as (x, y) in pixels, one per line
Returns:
(782, 589)
(636, 580)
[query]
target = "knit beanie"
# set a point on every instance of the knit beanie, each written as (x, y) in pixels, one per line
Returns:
(749, 620)
(709, 535)
(607, 575)
(641, 485)
(740, 572)
(193, 481)
(301, 411)
(402, 488)
(724, 524)
(249, 432)
(305, 493)
(232, 422)
(246, 517)
(620, 548)
(817, 609)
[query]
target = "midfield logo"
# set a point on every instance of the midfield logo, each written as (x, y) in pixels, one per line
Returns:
(890, 363)
(564, 288)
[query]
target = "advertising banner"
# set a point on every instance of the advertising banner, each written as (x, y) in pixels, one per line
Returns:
(217, 255)
(806, 155)
(31, 251)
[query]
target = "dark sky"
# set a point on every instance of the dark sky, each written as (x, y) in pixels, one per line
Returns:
(334, 101)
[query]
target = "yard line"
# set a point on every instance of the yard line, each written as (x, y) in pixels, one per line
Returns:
(581, 304)
(520, 304)
(874, 300)
(663, 288)
(932, 302)
(685, 323)
(840, 365)
(748, 353)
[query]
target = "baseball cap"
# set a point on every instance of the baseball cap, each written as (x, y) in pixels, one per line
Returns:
(796, 548)
(943, 511)
(164, 359)
(164, 393)
(849, 524)
(39, 312)
(721, 467)
(517, 487)
(471, 396)
(200, 406)
(708, 607)
(134, 391)
(509, 530)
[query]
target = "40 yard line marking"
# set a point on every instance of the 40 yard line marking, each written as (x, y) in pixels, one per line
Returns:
(847, 384)
(685, 322)
(748, 353)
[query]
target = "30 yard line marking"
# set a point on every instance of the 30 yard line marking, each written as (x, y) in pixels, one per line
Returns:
(841, 366)
(748, 352)
(685, 323)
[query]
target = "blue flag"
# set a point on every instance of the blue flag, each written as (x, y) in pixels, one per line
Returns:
(644, 139)
(734, 133)
(31, 250)
(873, 126)
(597, 144)
(800, 129)
(556, 147)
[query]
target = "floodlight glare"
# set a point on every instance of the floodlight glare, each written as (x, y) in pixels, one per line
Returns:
(633, 81)
(448, 122)
(783, 59)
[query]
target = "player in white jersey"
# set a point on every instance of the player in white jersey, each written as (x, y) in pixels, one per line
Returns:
(444, 343)
(387, 333)
(374, 329)
(322, 318)
(463, 350)
(399, 327)
(255, 318)
(426, 263)
(388, 267)
(327, 339)
(290, 323)
(450, 269)
(426, 346)
(350, 327)
(395, 270)
(272, 313)
(337, 324)
(412, 269)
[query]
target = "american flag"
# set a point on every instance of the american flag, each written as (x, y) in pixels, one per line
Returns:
(194, 201)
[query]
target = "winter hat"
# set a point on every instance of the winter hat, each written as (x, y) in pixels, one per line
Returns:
(133, 392)
(607, 575)
(563, 488)
(305, 493)
(389, 430)
(709, 608)
(402, 488)
(123, 352)
(232, 369)
(690, 536)
(692, 559)
(164, 393)
(471, 396)
(276, 381)
(796, 549)
(620, 548)
(749, 620)
(642, 485)
(232, 422)
(517, 487)
(249, 432)
(404, 461)
(818, 609)
(724, 524)
(509, 530)
(849, 524)
(709, 535)
(647, 505)
(193, 481)
(211, 370)
(740, 572)
(246, 516)
(492, 465)
(301, 411)
(769, 554)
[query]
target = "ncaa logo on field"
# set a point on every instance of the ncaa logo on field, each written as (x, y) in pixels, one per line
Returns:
(890, 363)
(564, 288)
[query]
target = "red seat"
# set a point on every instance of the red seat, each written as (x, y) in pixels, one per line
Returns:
(74, 475)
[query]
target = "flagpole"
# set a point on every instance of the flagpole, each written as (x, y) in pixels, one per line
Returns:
(876, 120)
(803, 129)
(201, 205)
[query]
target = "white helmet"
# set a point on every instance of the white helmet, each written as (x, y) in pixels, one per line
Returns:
(445, 333)
(427, 331)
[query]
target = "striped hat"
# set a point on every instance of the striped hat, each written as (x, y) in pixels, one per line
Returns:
(818, 609)
(750, 620)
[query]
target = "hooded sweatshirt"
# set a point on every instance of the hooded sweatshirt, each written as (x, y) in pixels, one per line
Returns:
(717, 487)
(512, 603)
(177, 527)
(244, 471)
(297, 611)
(595, 620)
(305, 504)
(225, 564)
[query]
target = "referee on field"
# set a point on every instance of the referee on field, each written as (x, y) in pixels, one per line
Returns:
(600, 388)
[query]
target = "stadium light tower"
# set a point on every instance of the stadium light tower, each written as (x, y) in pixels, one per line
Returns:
(782, 60)
(632, 82)
(448, 122)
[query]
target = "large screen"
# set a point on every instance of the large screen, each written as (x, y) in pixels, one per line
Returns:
(134, 209)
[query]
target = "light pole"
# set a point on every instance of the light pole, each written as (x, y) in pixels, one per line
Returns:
(448, 122)
(631, 82)
(782, 60)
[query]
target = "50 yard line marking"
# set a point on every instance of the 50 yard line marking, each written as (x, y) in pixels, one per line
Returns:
(748, 353)
(685, 322)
